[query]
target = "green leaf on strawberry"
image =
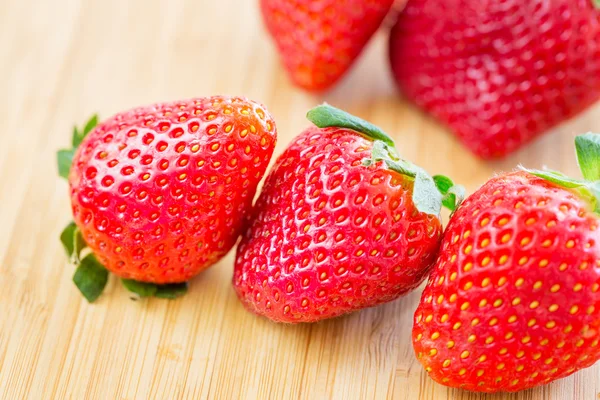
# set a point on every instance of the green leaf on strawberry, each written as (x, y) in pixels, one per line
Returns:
(453, 194)
(90, 277)
(145, 289)
(79, 135)
(325, 116)
(588, 156)
(171, 291)
(428, 194)
(556, 177)
(72, 241)
(142, 289)
(65, 159)
(65, 156)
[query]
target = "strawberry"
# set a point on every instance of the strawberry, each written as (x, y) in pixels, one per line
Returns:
(342, 224)
(318, 40)
(513, 300)
(160, 193)
(499, 72)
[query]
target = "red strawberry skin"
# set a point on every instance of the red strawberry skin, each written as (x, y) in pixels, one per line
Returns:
(318, 40)
(160, 192)
(330, 235)
(498, 73)
(513, 300)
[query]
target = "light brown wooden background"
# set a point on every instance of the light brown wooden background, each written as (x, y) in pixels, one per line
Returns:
(62, 60)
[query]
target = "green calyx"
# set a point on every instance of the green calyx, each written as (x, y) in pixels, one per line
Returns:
(429, 193)
(65, 156)
(596, 3)
(91, 277)
(587, 148)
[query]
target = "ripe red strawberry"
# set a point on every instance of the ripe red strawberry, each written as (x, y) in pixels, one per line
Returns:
(341, 224)
(318, 40)
(160, 193)
(498, 72)
(513, 300)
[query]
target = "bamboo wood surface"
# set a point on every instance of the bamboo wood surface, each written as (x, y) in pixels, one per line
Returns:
(62, 60)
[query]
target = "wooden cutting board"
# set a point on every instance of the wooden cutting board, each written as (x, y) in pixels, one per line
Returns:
(62, 60)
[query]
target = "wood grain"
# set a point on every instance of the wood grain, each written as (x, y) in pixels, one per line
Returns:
(62, 60)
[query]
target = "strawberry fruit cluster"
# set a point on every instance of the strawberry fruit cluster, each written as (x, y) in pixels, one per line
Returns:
(343, 223)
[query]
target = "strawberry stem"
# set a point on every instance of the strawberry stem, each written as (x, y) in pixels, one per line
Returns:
(429, 193)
